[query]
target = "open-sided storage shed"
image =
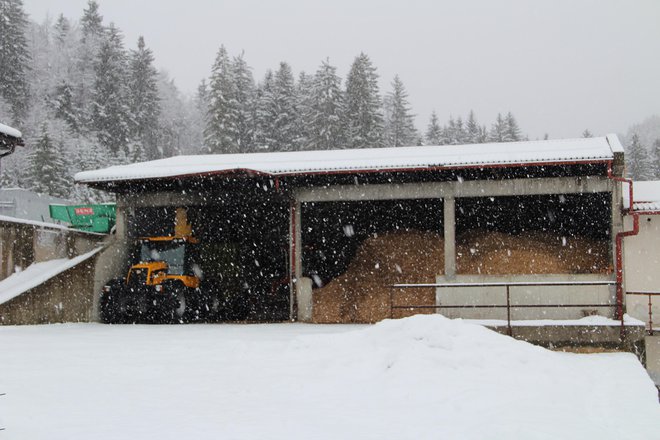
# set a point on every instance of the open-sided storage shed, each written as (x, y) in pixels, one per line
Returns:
(293, 222)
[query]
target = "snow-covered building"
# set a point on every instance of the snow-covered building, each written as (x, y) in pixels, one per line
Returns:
(292, 222)
(642, 251)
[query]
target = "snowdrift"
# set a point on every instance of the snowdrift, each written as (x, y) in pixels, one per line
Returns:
(415, 378)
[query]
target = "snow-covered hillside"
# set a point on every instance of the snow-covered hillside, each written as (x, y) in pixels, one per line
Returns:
(416, 378)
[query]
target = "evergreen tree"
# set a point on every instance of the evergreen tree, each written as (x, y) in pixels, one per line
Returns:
(64, 107)
(221, 129)
(110, 108)
(433, 134)
(512, 131)
(283, 110)
(14, 58)
(144, 100)
(638, 161)
(304, 106)
(92, 21)
(587, 134)
(473, 131)
(201, 108)
(656, 159)
(326, 112)
(363, 105)
(46, 167)
(263, 115)
(244, 96)
(498, 132)
(93, 36)
(62, 28)
(399, 125)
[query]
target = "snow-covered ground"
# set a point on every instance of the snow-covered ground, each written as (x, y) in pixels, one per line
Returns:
(417, 378)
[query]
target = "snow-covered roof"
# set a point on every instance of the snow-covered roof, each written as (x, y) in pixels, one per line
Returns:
(646, 196)
(37, 274)
(367, 159)
(9, 131)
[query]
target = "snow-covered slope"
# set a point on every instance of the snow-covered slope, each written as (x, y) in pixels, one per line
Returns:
(418, 378)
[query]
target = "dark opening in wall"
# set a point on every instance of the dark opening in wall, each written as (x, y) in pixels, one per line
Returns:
(333, 231)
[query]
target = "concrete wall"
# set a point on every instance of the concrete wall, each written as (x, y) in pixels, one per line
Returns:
(522, 295)
(22, 244)
(642, 267)
(67, 297)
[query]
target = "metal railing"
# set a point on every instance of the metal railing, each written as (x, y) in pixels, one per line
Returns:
(508, 305)
(650, 294)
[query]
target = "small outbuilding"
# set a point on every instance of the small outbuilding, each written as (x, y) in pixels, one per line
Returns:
(524, 230)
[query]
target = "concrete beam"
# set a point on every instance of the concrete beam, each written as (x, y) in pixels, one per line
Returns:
(149, 200)
(468, 188)
(295, 257)
(449, 221)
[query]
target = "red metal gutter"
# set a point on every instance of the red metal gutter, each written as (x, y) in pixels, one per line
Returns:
(619, 242)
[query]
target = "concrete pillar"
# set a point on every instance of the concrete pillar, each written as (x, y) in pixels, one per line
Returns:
(295, 257)
(449, 220)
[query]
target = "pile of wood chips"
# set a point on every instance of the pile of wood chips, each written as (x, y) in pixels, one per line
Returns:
(362, 294)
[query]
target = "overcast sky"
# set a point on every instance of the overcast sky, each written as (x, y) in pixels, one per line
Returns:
(559, 65)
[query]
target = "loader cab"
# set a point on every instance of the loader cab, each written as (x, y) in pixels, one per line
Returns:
(161, 258)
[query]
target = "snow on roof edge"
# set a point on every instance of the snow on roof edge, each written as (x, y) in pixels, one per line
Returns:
(13, 286)
(615, 143)
(373, 159)
(10, 131)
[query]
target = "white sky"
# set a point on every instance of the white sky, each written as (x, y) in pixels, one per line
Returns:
(559, 65)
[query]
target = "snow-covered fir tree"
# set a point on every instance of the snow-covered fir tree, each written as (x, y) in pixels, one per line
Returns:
(399, 121)
(92, 20)
(91, 38)
(244, 97)
(64, 106)
(110, 105)
(303, 105)
(283, 110)
(512, 131)
(473, 131)
(327, 127)
(587, 134)
(498, 132)
(46, 167)
(655, 157)
(14, 59)
(433, 135)
(638, 162)
(363, 105)
(144, 101)
(262, 114)
(221, 128)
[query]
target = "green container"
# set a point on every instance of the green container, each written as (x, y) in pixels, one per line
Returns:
(91, 218)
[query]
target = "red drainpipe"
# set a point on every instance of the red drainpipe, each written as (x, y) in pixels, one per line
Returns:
(619, 242)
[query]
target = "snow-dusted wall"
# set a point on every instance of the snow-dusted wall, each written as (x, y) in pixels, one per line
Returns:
(642, 266)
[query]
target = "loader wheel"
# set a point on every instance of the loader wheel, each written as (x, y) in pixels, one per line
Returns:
(110, 307)
(181, 310)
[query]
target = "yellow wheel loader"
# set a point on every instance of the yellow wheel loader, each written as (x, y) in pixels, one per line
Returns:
(164, 284)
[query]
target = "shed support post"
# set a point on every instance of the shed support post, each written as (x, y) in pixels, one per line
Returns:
(295, 258)
(449, 221)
